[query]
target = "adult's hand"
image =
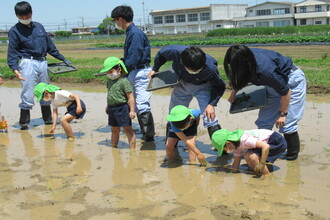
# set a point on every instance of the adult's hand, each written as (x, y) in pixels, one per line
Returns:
(209, 112)
(280, 122)
(231, 98)
(67, 62)
(18, 75)
(151, 73)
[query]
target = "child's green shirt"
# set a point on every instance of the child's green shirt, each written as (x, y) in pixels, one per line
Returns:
(117, 90)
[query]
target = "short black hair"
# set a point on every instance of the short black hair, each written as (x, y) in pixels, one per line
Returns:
(182, 124)
(123, 11)
(23, 8)
(240, 66)
(193, 58)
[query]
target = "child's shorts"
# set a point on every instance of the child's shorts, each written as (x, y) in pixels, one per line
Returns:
(119, 115)
(71, 109)
(277, 145)
(191, 131)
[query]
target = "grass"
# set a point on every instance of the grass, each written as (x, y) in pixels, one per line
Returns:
(313, 60)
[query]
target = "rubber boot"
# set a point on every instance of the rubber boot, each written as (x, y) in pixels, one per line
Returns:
(24, 119)
(212, 129)
(146, 122)
(293, 145)
(46, 114)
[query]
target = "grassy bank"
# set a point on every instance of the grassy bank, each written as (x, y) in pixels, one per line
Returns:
(314, 60)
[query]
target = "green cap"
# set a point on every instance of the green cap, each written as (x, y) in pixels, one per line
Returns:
(110, 62)
(178, 113)
(220, 137)
(40, 88)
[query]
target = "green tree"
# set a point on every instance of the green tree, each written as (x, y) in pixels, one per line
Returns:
(107, 25)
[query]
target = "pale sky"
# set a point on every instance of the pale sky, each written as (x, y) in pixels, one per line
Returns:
(54, 14)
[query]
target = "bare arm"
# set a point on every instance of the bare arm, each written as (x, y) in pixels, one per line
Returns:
(264, 155)
(236, 163)
(192, 146)
(131, 104)
(285, 100)
(55, 116)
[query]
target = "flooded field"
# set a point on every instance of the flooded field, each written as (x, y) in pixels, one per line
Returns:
(50, 177)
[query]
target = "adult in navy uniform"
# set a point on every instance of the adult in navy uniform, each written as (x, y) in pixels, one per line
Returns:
(198, 77)
(28, 46)
(137, 60)
(285, 85)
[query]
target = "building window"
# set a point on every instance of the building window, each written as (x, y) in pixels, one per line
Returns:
(192, 17)
(263, 12)
(180, 18)
(318, 8)
(205, 16)
(281, 11)
(282, 23)
(158, 20)
(262, 24)
(318, 22)
(303, 22)
(169, 19)
(303, 9)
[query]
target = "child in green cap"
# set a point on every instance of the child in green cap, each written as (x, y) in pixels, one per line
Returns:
(183, 125)
(76, 108)
(120, 99)
(260, 146)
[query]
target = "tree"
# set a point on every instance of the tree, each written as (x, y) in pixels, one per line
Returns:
(107, 25)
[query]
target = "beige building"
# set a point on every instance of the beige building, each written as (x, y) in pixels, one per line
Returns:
(312, 12)
(195, 20)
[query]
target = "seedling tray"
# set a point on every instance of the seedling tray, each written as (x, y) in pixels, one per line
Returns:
(249, 98)
(162, 80)
(61, 67)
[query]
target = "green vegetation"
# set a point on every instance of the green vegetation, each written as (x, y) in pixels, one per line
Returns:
(63, 33)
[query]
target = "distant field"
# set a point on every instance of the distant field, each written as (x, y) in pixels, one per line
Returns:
(313, 59)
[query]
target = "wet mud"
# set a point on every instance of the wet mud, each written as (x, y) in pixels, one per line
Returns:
(49, 177)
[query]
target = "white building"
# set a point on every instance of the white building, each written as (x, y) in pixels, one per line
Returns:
(312, 12)
(195, 20)
(267, 14)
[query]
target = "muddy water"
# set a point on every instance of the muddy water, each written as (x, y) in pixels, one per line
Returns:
(45, 177)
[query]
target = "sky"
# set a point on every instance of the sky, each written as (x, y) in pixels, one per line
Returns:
(63, 14)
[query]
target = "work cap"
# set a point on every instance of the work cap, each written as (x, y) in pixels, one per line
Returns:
(40, 88)
(220, 137)
(178, 113)
(110, 62)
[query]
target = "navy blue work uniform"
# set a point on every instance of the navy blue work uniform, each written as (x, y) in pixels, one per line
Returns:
(27, 50)
(206, 86)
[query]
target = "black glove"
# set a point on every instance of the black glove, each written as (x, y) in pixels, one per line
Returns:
(67, 62)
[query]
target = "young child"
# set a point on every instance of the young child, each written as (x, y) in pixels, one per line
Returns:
(183, 126)
(120, 101)
(260, 145)
(76, 108)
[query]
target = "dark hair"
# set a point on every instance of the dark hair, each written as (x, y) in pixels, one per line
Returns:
(183, 123)
(240, 66)
(23, 8)
(235, 143)
(193, 58)
(123, 11)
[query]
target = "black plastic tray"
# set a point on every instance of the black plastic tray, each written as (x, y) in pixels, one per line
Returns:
(249, 98)
(61, 67)
(162, 80)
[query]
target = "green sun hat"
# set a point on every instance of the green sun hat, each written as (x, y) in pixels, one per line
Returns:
(110, 62)
(220, 137)
(40, 88)
(178, 113)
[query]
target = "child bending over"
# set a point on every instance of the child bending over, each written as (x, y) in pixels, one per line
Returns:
(260, 146)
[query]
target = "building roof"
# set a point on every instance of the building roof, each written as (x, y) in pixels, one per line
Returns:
(264, 3)
(312, 2)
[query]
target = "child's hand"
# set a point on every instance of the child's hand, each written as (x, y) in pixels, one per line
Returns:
(132, 115)
(79, 110)
(52, 130)
(201, 159)
(259, 168)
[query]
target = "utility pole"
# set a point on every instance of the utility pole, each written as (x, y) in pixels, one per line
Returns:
(65, 24)
(82, 21)
(144, 20)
